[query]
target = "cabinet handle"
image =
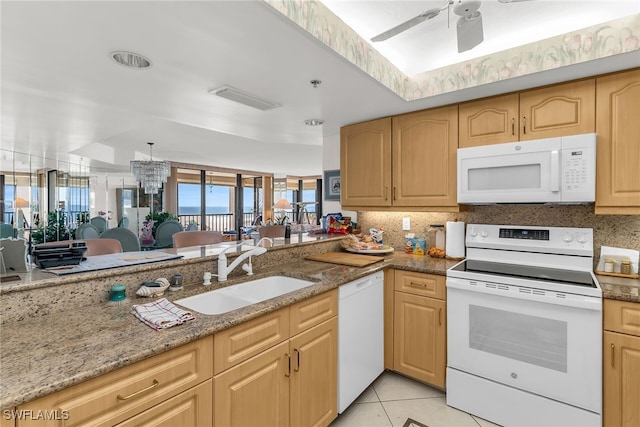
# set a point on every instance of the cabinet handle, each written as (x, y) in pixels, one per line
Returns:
(440, 316)
(394, 193)
(613, 353)
(524, 125)
(513, 126)
(288, 372)
(417, 284)
(386, 191)
(153, 385)
(297, 366)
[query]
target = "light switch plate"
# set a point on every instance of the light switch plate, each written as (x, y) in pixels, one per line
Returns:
(406, 224)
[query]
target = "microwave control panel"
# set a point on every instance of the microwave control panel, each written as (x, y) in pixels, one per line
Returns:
(578, 170)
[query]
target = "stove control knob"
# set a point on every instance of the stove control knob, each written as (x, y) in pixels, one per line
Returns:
(473, 232)
(567, 238)
(484, 233)
(582, 238)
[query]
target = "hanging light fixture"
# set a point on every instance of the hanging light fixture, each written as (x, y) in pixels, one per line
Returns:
(149, 173)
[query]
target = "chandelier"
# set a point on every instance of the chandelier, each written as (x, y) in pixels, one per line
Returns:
(149, 173)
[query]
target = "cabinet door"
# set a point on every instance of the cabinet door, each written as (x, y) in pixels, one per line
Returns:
(618, 128)
(489, 121)
(314, 376)
(564, 109)
(365, 164)
(190, 408)
(420, 338)
(424, 158)
(621, 368)
(255, 392)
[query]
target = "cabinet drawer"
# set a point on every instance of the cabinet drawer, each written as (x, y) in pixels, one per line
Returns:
(190, 408)
(313, 311)
(622, 316)
(241, 342)
(116, 396)
(428, 285)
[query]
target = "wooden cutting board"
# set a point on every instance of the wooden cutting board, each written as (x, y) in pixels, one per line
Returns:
(345, 258)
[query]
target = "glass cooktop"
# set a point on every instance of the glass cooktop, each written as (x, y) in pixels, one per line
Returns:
(569, 277)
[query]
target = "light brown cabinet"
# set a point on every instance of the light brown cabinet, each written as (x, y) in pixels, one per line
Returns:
(406, 161)
(618, 149)
(134, 390)
(291, 382)
(420, 335)
(621, 364)
(558, 110)
(424, 148)
(189, 408)
(365, 164)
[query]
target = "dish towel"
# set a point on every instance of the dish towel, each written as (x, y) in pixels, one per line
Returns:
(161, 314)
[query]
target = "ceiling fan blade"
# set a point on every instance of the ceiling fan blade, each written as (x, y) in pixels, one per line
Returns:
(429, 14)
(470, 33)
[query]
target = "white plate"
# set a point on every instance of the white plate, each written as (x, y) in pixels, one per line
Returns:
(385, 250)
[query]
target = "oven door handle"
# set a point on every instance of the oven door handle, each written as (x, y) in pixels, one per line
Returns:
(511, 291)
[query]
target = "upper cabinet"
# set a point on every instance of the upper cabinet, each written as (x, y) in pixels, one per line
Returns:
(558, 110)
(618, 148)
(424, 148)
(489, 121)
(365, 164)
(404, 161)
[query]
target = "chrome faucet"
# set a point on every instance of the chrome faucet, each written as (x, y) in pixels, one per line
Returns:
(224, 270)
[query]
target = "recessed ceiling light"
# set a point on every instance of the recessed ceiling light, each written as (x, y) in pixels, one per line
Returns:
(130, 59)
(314, 122)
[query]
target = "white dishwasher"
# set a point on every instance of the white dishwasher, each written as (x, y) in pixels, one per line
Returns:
(360, 336)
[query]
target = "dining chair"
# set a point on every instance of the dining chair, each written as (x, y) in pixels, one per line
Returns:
(87, 231)
(183, 239)
(7, 230)
(165, 231)
(102, 247)
(127, 238)
(14, 255)
(271, 231)
(100, 223)
(192, 227)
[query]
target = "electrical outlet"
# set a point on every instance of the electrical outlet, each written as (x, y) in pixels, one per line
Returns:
(406, 224)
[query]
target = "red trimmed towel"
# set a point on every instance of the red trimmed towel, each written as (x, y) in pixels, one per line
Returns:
(161, 314)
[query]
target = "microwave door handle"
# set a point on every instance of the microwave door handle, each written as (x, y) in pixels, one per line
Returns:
(555, 171)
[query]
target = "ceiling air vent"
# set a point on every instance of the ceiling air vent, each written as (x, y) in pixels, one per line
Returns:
(244, 98)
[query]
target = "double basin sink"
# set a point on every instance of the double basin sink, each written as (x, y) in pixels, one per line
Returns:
(233, 297)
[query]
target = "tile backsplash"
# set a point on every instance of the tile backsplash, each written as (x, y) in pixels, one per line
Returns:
(621, 231)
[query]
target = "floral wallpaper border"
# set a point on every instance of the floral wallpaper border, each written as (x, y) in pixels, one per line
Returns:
(598, 41)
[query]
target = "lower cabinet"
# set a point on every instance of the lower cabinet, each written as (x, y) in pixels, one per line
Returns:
(621, 364)
(419, 336)
(190, 408)
(176, 383)
(291, 383)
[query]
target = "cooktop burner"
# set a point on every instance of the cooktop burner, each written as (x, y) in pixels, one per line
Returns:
(569, 277)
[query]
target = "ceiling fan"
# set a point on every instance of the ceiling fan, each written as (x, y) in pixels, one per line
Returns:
(469, 24)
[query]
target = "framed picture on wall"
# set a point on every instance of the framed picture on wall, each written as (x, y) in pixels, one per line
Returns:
(332, 185)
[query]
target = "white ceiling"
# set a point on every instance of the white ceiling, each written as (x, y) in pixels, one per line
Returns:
(64, 98)
(433, 43)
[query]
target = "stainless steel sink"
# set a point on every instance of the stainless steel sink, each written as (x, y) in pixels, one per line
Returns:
(243, 294)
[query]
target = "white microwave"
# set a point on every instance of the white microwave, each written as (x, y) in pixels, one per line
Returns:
(551, 170)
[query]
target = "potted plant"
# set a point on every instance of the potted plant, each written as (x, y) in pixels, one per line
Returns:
(158, 218)
(54, 229)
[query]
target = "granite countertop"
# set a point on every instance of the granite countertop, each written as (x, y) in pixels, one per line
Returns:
(46, 354)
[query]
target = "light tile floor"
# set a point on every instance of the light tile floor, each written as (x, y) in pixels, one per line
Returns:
(393, 398)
